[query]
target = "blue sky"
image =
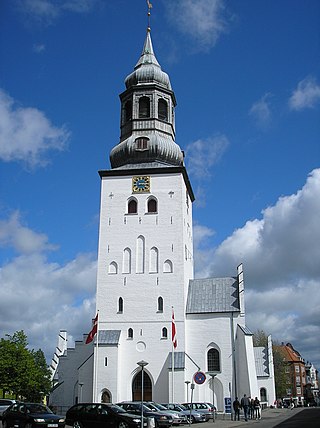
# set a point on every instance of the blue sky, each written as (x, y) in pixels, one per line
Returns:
(246, 75)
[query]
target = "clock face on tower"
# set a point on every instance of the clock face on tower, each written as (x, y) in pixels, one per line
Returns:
(141, 184)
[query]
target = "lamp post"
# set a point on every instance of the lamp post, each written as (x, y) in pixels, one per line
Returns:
(187, 383)
(142, 364)
(212, 374)
(80, 394)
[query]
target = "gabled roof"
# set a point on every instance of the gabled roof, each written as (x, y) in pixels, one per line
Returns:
(212, 295)
(261, 361)
(109, 337)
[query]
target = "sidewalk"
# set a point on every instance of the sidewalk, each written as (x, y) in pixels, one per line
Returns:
(269, 418)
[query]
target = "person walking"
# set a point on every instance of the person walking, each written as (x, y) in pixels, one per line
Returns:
(257, 408)
(245, 402)
(251, 408)
(236, 408)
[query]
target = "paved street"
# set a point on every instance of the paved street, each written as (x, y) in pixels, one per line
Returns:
(279, 418)
(271, 418)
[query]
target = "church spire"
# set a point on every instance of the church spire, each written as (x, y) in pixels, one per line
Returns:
(147, 137)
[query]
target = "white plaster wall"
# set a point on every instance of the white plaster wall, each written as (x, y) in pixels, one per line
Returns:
(170, 231)
(204, 330)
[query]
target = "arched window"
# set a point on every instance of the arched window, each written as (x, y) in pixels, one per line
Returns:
(162, 110)
(120, 305)
(132, 206)
(127, 111)
(141, 143)
(263, 394)
(167, 266)
(130, 333)
(113, 268)
(152, 205)
(140, 254)
(154, 260)
(213, 360)
(126, 265)
(164, 333)
(160, 304)
(144, 107)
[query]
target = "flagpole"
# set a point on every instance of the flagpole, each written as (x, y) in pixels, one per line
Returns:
(172, 357)
(95, 397)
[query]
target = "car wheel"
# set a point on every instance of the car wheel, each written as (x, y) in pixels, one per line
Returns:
(123, 424)
(77, 424)
(28, 425)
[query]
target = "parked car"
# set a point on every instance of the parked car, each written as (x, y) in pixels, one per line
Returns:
(160, 419)
(204, 408)
(178, 417)
(95, 415)
(4, 404)
(31, 415)
(195, 416)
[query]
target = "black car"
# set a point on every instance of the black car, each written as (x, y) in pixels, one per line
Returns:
(4, 404)
(31, 415)
(160, 419)
(95, 415)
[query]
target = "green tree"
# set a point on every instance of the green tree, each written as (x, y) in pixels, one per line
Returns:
(23, 372)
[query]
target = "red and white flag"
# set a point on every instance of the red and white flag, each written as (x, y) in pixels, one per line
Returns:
(93, 331)
(173, 331)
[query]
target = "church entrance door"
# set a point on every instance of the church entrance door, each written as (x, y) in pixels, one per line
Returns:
(137, 390)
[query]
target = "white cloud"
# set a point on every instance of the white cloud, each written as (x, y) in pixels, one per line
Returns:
(26, 134)
(281, 254)
(201, 20)
(20, 238)
(306, 95)
(42, 297)
(39, 47)
(261, 111)
(203, 154)
(47, 11)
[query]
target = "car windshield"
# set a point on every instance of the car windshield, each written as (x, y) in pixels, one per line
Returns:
(157, 406)
(117, 409)
(181, 407)
(37, 408)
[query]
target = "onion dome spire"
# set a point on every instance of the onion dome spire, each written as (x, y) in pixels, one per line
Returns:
(147, 136)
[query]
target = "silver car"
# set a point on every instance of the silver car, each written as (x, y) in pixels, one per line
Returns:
(193, 415)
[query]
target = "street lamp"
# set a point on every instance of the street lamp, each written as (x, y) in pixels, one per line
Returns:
(80, 398)
(142, 364)
(213, 374)
(187, 383)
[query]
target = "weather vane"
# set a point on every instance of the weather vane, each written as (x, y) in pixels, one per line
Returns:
(149, 13)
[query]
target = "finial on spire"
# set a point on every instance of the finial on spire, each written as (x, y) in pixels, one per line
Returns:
(149, 14)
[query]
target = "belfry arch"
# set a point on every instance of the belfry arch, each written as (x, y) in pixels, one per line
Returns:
(137, 384)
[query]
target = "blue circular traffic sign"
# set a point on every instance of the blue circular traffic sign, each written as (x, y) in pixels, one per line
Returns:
(199, 378)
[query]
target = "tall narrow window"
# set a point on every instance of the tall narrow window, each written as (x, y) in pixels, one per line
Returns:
(140, 255)
(162, 110)
(160, 304)
(132, 206)
(127, 111)
(120, 305)
(154, 260)
(152, 206)
(130, 333)
(144, 107)
(164, 333)
(126, 266)
(141, 143)
(213, 360)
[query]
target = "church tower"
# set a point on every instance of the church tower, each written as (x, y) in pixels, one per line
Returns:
(145, 254)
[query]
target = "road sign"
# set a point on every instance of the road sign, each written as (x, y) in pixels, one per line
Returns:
(199, 378)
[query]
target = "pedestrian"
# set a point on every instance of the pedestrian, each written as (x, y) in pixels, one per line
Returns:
(245, 402)
(256, 404)
(251, 408)
(236, 408)
(291, 404)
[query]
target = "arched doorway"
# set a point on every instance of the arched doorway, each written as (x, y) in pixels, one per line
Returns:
(136, 387)
(106, 397)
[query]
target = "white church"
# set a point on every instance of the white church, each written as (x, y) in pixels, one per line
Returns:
(145, 275)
